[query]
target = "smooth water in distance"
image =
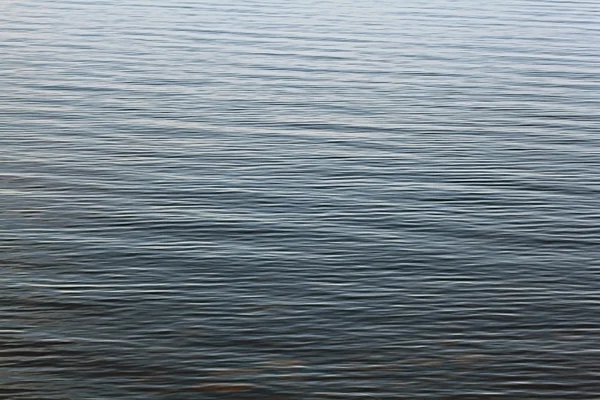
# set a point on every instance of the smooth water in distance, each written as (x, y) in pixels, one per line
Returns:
(304, 200)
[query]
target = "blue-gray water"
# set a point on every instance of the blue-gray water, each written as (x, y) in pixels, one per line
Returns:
(300, 200)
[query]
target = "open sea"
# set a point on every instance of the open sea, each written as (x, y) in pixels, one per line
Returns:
(299, 200)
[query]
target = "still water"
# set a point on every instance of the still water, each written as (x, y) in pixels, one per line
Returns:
(300, 200)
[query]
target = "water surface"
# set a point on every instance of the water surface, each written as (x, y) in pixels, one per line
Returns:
(300, 200)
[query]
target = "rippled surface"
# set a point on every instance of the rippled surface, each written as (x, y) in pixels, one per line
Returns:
(300, 200)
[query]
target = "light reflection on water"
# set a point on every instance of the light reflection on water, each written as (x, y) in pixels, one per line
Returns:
(267, 200)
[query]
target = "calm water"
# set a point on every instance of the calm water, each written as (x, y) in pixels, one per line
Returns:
(300, 200)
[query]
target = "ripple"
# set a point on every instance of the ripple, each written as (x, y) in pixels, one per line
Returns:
(299, 200)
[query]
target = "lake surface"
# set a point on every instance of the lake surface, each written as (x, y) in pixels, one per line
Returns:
(300, 200)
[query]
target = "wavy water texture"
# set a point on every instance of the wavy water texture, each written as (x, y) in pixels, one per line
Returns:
(300, 200)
